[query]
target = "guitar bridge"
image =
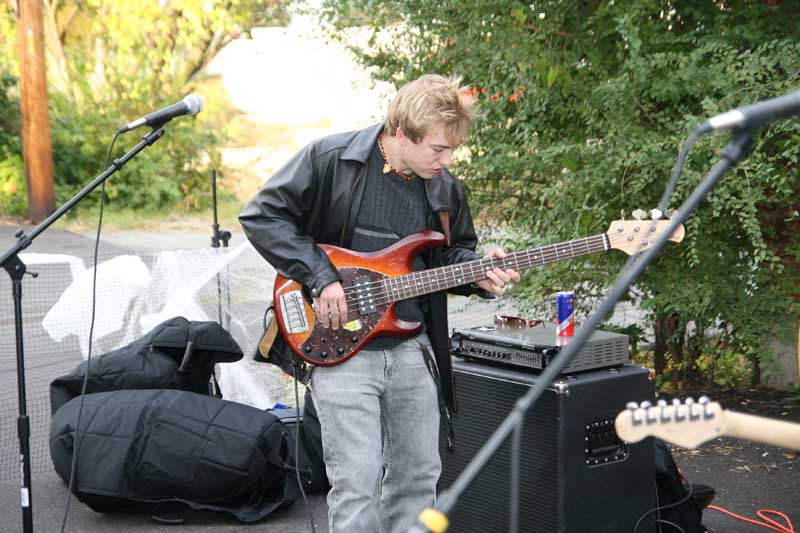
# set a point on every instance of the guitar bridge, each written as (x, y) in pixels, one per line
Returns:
(294, 312)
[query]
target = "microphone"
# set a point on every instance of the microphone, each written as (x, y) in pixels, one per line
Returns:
(755, 115)
(191, 105)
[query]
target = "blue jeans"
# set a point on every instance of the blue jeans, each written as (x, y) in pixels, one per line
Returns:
(379, 417)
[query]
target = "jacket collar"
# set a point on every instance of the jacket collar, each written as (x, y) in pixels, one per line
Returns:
(437, 193)
(360, 148)
(361, 145)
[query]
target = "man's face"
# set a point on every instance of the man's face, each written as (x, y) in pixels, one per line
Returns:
(430, 155)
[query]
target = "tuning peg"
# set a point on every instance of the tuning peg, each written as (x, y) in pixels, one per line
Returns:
(632, 407)
(693, 414)
(679, 416)
(669, 213)
(651, 417)
(706, 403)
(622, 214)
(639, 214)
(656, 214)
(664, 414)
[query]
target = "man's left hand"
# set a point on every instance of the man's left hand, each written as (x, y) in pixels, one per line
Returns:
(497, 279)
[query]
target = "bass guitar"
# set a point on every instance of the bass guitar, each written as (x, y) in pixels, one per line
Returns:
(691, 424)
(373, 282)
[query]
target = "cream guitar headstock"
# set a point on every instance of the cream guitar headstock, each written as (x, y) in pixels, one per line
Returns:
(686, 424)
(639, 234)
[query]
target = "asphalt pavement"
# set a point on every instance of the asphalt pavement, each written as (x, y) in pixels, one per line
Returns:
(746, 477)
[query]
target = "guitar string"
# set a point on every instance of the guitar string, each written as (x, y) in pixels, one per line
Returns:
(381, 297)
(386, 294)
(547, 253)
(408, 290)
(410, 282)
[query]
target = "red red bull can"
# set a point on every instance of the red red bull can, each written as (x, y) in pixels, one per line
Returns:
(565, 317)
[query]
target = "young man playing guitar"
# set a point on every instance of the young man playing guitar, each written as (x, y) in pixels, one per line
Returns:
(365, 190)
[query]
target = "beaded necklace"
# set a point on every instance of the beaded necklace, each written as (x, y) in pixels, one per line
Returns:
(389, 168)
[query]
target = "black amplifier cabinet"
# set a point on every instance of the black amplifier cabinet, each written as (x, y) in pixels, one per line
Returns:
(575, 475)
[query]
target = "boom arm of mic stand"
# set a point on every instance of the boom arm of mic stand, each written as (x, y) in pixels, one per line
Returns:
(732, 154)
(25, 240)
(11, 262)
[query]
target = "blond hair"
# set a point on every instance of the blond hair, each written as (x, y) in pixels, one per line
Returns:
(427, 102)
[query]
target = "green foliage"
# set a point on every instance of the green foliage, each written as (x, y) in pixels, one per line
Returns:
(12, 173)
(110, 62)
(581, 111)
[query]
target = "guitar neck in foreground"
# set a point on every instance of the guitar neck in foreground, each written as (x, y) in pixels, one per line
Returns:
(691, 424)
(761, 429)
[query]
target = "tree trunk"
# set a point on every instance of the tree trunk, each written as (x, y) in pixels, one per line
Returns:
(36, 141)
(666, 328)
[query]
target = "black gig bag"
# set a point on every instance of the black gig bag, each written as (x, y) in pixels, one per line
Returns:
(176, 354)
(151, 450)
(671, 490)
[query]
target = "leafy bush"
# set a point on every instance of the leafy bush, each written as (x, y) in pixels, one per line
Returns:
(101, 75)
(12, 173)
(581, 112)
(172, 172)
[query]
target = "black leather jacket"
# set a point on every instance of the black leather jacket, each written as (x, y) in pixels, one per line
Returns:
(315, 198)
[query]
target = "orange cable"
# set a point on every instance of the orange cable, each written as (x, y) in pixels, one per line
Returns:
(789, 528)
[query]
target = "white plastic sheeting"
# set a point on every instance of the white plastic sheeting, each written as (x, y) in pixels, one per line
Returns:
(123, 278)
(137, 292)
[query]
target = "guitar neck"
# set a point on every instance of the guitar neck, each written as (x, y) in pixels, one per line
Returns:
(766, 430)
(443, 278)
(690, 425)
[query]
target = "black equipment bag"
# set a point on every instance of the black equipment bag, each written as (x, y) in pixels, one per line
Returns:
(176, 354)
(671, 490)
(149, 450)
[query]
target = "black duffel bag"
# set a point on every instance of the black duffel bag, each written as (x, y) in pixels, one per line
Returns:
(176, 354)
(155, 450)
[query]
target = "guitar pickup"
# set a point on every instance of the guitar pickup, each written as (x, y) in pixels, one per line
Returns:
(365, 294)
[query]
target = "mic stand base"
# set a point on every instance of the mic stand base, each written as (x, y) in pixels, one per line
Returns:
(16, 269)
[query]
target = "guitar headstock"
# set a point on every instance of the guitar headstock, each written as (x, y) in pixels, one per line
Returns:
(639, 234)
(686, 424)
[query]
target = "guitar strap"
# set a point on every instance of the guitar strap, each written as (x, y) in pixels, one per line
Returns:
(444, 218)
(270, 332)
(443, 409)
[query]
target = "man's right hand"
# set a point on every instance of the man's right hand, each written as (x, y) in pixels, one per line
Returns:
(331, 306)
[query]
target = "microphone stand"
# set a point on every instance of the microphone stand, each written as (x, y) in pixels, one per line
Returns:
(218, 236)
(16, 269)
(732, 154)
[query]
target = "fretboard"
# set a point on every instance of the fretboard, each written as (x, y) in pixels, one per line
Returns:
(442, 278)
